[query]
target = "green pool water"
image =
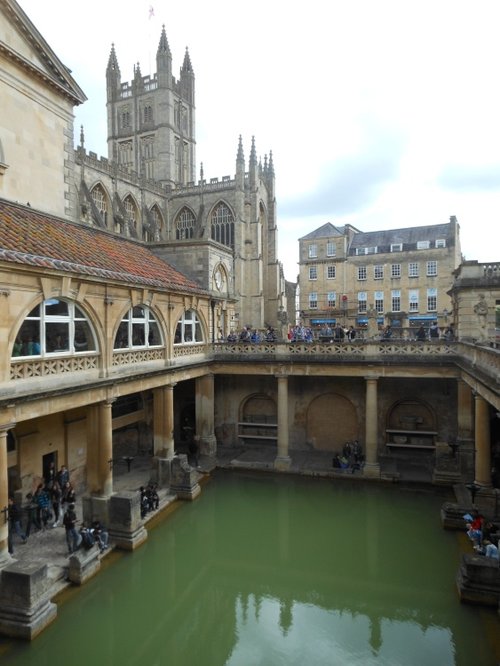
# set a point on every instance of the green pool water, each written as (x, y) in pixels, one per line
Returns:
(267, 570)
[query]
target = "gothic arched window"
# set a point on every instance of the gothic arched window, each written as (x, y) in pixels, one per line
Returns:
(55, 327)
(131, 210)
(101, 201)
(188, 329)
(223, 225)
(184, 224)
(157, 221)
(138, 328)
(148, 114)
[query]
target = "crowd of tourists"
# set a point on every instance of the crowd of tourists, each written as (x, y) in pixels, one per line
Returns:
(483, 534)
(337, 333)
(51, 505)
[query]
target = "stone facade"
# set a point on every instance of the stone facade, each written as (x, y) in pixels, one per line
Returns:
(402, 275)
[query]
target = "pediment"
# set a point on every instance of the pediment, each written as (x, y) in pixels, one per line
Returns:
(22, 43)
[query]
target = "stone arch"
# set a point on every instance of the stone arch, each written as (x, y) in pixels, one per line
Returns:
(132, 211)
(331, 421)
(411, 414)
(185, 223)
(157, 221)
(259, 408)
(222, 224)
(102, 201)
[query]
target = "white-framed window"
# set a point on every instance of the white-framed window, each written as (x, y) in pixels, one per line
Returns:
(395, 270)
(313, 300)
(331, 272)
(331, 299)
(432, 268)
(413, 300)
(396, 247)
(441, 242)
(313, 251)
(138, 328)
(413, 269)
(396, 300)
(423, 245)
(55, 326)
(361, 272)
(366, 250)
(379, 301)
(432, 299)
(188, 329)
(313, 272)
(331, 249)
(362, 301)
(378, 272)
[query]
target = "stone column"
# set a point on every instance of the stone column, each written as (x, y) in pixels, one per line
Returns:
(104, 467)
(163, 438)
(205, 416)
(483, 443)
(372, 467)
(163, 418)
(283, 460)
(464, 411)
(4, 498)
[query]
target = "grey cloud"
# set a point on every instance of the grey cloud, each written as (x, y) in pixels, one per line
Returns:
(470, 178)
(350, 184)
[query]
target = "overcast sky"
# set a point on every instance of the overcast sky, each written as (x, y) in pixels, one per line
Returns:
(379, 113)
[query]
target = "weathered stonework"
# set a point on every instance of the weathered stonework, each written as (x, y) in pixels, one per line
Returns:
(25, 606)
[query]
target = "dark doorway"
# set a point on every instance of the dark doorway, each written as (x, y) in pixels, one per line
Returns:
(49, 466)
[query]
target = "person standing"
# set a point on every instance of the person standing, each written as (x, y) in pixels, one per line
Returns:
(55, 496)
(73, 538)
(434, 332)
(31, 509)
(421, 334)
(15, 519)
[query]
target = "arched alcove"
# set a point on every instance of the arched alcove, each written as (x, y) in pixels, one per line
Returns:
(331, 422)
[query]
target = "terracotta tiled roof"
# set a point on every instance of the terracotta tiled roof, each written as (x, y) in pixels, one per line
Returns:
(37, 239)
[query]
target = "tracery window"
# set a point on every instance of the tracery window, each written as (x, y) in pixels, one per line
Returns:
(138, 328)
(184, 224)
(131, 210)
(101, 201)
(55, 327)
(223, 225)
(188, 329)
(148, 114)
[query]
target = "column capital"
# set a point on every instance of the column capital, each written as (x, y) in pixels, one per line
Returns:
(5, 427)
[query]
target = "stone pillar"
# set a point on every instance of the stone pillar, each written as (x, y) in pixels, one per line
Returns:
(104, 467)
(371, 467)
(283, 460)
(4, 498)
(25, 606)
(464, 411)
(126, 527)
(483, 443)
(205, 416)
(163, 437)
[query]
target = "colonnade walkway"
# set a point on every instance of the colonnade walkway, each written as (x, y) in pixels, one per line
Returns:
(49, 546)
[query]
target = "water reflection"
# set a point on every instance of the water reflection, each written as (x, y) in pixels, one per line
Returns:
(265, 570)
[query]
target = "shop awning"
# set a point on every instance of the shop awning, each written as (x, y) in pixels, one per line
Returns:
(323, 321)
